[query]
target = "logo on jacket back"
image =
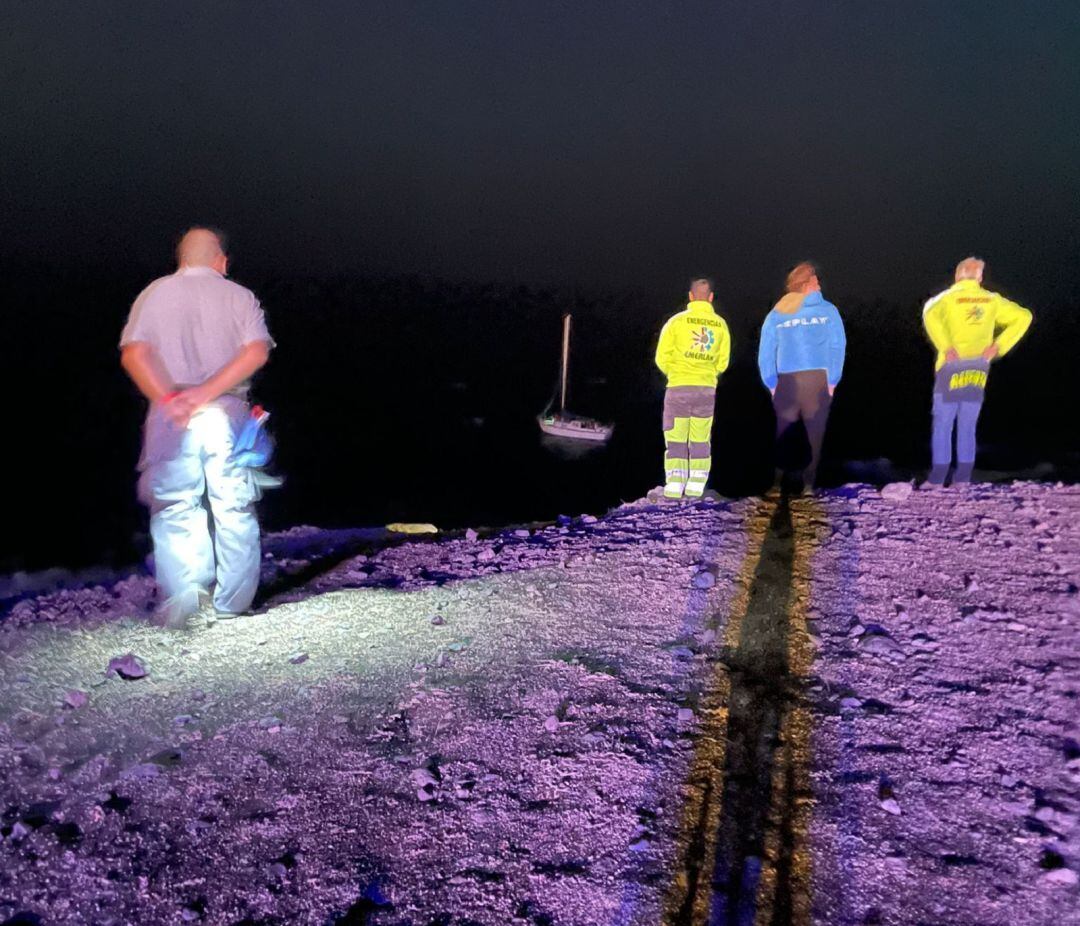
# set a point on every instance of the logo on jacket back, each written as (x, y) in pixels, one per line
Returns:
(975, 313)
(812, 320)
(704, 339)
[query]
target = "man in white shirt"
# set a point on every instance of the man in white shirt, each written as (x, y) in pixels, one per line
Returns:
(191, 344)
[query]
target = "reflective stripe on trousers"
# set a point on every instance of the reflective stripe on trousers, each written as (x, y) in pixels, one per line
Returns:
(174, 484)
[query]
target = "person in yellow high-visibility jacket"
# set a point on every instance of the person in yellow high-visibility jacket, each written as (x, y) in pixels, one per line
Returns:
(969, 326)
(693, 351)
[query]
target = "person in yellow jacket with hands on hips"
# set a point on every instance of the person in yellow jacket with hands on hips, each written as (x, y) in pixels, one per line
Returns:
(694, 349)
(969, 326)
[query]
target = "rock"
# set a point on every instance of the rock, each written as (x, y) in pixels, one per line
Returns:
(889, 805)
(464, 790)
(298, 658)
(588, 519)
(437, 620)
(703, 579)
(423, 778)
(522, 533)
(551, 724)
(879, 644)
(486, 555)
(399, 527)
(76, 699)
(425, 783)
(1065, 877)
(270, 723)
(471, 535)
(850, 703)
(685, 715)
(1046, 815)
(127, 666)
(897, 491)
(143, 771)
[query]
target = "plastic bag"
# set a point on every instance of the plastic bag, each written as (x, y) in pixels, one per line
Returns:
(253, 447)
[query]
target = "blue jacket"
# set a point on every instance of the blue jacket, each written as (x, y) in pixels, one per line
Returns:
(809, 335)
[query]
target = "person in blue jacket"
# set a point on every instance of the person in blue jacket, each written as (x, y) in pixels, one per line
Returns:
(801, 359)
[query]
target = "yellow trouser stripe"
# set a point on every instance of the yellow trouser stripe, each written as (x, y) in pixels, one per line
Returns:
(689, 430)
(700, 430)
(678, 432)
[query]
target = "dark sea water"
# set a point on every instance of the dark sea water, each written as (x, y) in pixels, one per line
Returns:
(416, 400)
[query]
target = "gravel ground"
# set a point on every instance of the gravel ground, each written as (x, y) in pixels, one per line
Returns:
(949, 624)
(855, 709)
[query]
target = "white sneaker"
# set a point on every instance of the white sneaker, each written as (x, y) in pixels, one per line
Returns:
(174, 612)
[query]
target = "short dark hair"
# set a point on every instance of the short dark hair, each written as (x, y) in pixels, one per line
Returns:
(695, 281)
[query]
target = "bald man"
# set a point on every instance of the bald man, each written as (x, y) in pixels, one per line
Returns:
(693, 351)
(192, 342)
(970, 327)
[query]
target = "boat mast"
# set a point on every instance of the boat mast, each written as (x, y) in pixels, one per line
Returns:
(565, 366)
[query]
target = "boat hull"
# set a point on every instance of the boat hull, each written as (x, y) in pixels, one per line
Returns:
(584, 429)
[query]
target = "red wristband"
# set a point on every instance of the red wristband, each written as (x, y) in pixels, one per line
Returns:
(166, 399)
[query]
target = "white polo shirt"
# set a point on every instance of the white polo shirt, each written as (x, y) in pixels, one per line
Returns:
(196, 320)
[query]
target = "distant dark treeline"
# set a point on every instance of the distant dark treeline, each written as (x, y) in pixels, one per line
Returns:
(414, 398)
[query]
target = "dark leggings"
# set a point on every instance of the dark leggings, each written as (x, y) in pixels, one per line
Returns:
(801, 396)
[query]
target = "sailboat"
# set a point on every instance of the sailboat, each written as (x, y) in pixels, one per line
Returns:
(566, 424)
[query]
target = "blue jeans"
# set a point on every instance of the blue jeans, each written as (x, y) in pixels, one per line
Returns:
(180, 469)
(966, 416)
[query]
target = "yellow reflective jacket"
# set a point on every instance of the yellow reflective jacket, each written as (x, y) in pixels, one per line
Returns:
(694, 347)
(968, 319)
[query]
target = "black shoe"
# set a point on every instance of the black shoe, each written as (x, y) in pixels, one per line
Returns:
(962, 474)
(937, 475)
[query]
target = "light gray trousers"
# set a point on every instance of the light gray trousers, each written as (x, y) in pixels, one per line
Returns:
(181, 469)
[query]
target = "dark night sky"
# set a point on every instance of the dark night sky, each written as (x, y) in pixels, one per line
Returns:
(604, 143)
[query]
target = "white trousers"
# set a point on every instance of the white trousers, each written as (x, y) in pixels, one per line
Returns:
(180, 470)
